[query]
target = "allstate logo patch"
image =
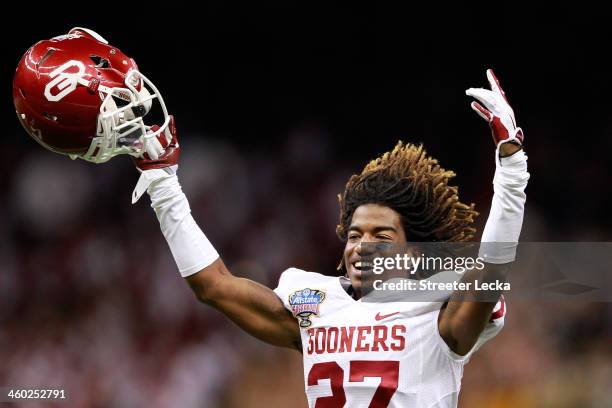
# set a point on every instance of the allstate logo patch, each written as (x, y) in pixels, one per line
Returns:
(305, 304)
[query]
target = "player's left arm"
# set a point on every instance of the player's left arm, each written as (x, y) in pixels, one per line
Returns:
(461, 322)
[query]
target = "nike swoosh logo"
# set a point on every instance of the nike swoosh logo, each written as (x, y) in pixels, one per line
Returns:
(380, 317)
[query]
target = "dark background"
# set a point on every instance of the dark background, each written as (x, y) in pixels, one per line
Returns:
(371, 75)
(276, 105)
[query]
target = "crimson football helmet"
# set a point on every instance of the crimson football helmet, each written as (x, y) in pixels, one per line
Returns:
(77, 95)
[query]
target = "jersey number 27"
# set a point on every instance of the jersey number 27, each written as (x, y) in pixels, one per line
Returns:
(388, 371)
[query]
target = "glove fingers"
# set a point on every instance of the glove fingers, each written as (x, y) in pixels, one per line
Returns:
(481, 111)
(488, 98)
(153, 148)
(494, 83)
(170, 133)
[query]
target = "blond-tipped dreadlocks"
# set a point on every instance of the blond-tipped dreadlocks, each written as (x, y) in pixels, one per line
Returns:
(413, 184)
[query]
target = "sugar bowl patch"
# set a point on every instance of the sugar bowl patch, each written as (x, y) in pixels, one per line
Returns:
(305, 304)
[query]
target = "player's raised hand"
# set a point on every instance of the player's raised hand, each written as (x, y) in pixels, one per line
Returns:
(497, 111)
(161, 152)
(160, 160)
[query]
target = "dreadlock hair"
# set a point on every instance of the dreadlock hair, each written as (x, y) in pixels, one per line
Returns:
(415, 186)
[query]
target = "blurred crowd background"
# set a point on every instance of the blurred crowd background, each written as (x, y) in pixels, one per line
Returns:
(276, 107)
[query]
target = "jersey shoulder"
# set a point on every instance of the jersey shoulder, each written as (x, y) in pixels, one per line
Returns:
(297, 277)
(308, 285)
(294, 279)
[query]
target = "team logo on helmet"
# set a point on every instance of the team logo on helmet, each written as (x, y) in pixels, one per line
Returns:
(305, 304)
(66, 82)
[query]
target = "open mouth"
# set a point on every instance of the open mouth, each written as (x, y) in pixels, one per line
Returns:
(362, 265)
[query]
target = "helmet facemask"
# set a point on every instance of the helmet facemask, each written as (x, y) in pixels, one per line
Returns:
(121, 128)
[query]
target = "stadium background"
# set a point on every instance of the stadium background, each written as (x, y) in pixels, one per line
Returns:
(276, 105)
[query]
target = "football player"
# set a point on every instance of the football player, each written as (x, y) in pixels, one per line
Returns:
(356, 353)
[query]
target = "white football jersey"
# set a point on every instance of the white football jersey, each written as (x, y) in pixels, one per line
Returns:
(366, 354)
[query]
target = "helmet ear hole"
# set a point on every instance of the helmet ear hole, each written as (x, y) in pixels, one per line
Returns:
(139, 111)
(146, 96)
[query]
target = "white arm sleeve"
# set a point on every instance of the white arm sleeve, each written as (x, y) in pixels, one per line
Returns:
(191, 250)
(506, 217)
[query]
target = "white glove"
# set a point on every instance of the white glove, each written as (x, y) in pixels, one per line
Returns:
(496, 111)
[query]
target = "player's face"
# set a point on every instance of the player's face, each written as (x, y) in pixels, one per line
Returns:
(370, 223)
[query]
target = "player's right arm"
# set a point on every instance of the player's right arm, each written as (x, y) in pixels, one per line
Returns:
(253, 307)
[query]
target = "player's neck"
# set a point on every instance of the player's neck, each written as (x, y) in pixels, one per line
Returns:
(346, 285)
